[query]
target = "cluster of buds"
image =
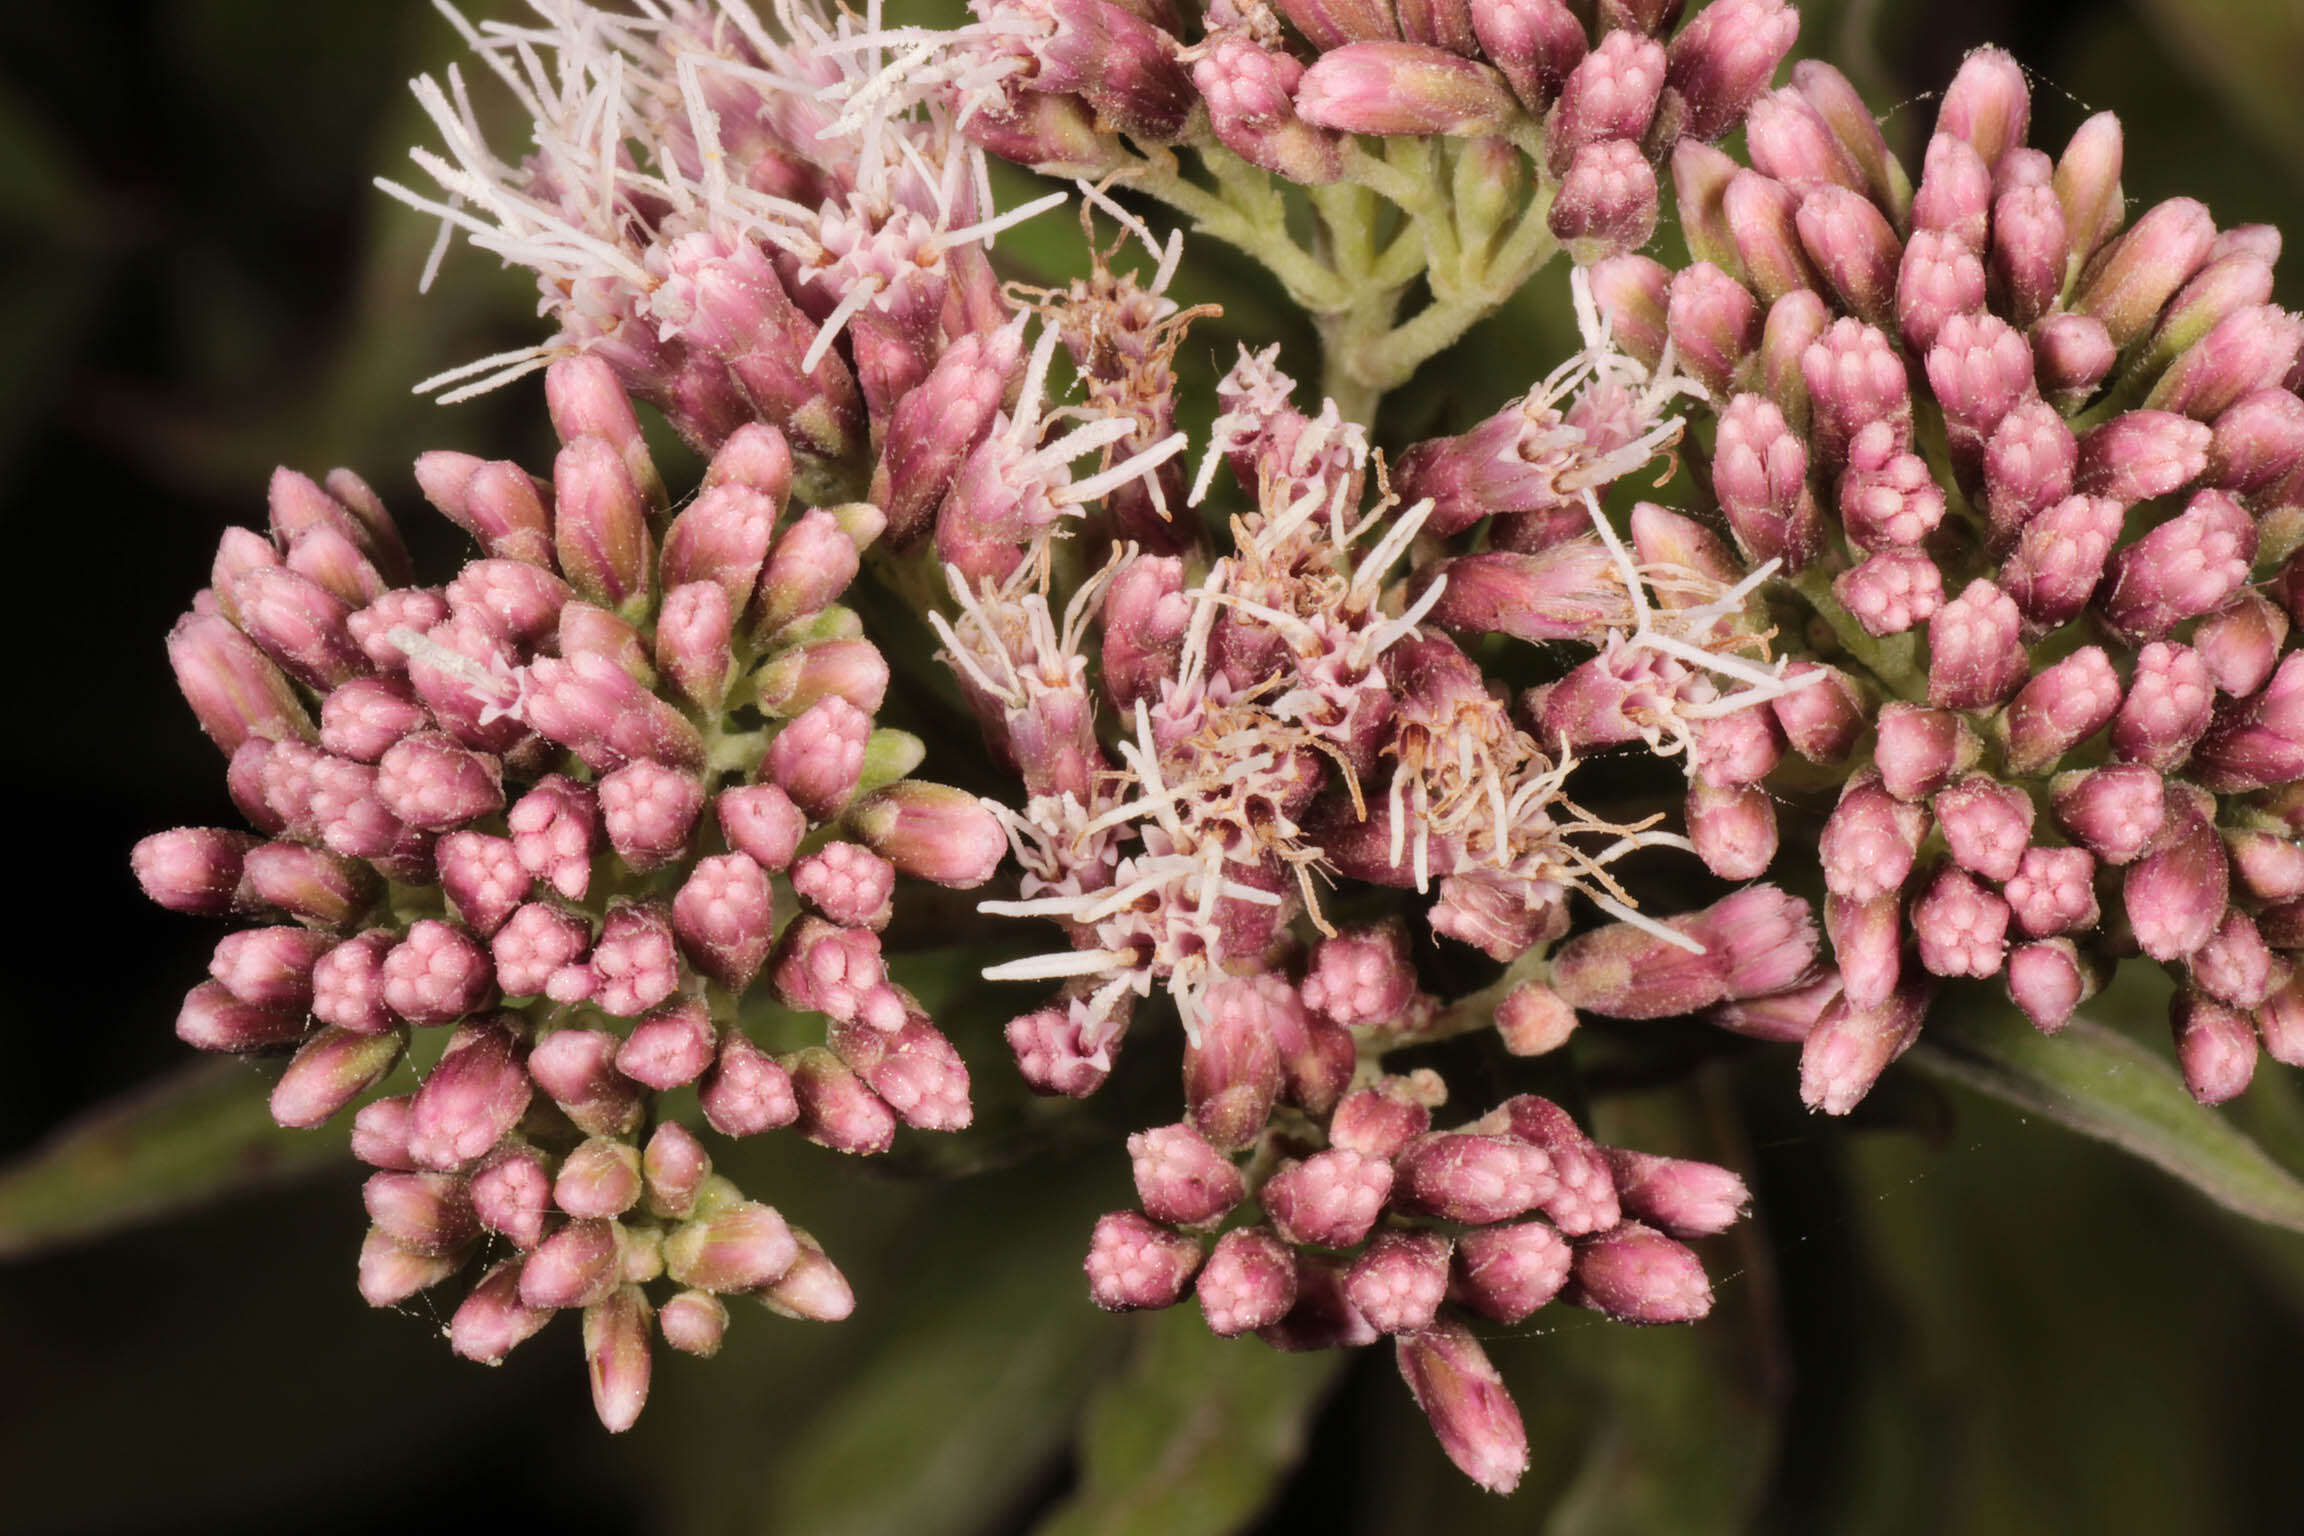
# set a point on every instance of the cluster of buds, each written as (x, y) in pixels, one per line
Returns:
(1357, 1221)
(1997, 530)
(539, 832)
(2043, 479)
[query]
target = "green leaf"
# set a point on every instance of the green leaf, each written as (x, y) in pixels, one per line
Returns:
(1195, 1436)
(2100, 1083)
(182, 1142)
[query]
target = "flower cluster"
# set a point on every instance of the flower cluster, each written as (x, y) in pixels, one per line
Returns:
(2043, 479)
(544, 829)
(1987, 564)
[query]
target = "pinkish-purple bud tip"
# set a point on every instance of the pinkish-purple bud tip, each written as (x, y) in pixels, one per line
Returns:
(1134, 1263)
(1463, 1396)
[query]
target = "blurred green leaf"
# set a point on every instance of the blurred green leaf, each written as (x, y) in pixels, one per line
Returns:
(2100, 1083)
(2249, 51)
(1195, 1436)
(182, 1142)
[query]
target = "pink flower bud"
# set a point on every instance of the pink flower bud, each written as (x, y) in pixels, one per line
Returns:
(552, 830)
(333, 1067)
(1474, 1179)
(1585, 1200)
(2028, 464)
(1868, 944)
(1135, 1264)
(2280, 1021)
(1232, 1071)
(1976, 655)
(2128, 282)
(2182, 569)
(634, 960)
(2048, 981)
(670, 1048)
(837, 1109)
(1505, 1273)
(649, 811)
(2215, 1047)
(1843, 108)
(1362, 976)
(694, 1322)
(1986, 824)
(2234, 966)
(673, 1167)
(1789, 139)
(380, 1134)
(471, 1099)
(2142, 454)
(1891, 592)
(1761, 217)
(348, 983)
(1955, 193)
(1403, 88)
(813, 1290)
(483, 879)
(1181, 1179)
(1733, 830)
(299, 624)
(1853, 246)
(1683, 1198)
(722, 537)
(1607, 202)
(2256, 443)
(2059, 558)
(914, 1069)
(511, 1192)
(818, 759)
(235, 692)
(2062, 706)
(419, 609)
(2115, 812)
(616, 1356)
(2029, 249)
(428, 781)
(1871, 838)
(1796, 322)
(600, 527)
(1635, 1274)
(1742, 747)
(2257, 743)
(1249, 1282)
(1464, 1398)
(1400, 1281)
(492, 1321)
(1962, 925)
(1988, 104)
(428, 1213)
(1886, 494)
(1920, 749)
(2170, 697)
(269, 967)
(1534, 1020)
(390, 1274)
(747, 1091)
(2053, 891)
(2240, 643)
(194, 870)
(1854, 379)
(2175, 894)
(436, 974)
(1611, 93)
(1850, 1047)
(1782, 1016)
(1250, 92)
(931, 832)
(597, 710)
(2270, 867)
(499, 504)
(364, 717)
(599, 1179)
(521, 603)
(576, 1068)
(2071, 354)
(1630, 294)
(1328, 1200)
(1724, 59)
(1759, 472)
(534, 944)
(740, 1246)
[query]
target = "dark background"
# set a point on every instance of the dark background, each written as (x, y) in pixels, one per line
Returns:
(1990, 1328)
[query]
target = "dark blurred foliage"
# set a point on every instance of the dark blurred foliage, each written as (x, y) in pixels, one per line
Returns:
(1963, 1322)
